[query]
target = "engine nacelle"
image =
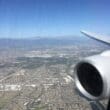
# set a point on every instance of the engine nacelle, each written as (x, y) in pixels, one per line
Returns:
(92, 76)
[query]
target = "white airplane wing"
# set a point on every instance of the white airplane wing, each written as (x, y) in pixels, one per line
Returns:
(103, 39)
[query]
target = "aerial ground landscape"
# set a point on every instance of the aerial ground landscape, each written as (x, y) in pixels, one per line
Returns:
(37, 76)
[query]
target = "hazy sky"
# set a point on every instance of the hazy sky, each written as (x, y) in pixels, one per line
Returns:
(29, 18)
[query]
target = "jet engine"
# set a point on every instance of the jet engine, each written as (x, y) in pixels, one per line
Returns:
(92, 76)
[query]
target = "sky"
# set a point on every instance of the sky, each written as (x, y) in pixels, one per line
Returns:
(43, 18)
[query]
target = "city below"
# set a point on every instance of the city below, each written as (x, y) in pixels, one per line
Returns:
(41, 77)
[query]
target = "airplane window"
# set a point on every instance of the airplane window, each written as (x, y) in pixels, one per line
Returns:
(40, 43)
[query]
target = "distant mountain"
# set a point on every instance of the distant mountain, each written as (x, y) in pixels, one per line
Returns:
(41, 42)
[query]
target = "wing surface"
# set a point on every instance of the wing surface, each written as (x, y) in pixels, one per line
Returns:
(103, 39)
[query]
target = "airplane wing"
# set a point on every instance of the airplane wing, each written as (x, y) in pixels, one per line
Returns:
(103, 39)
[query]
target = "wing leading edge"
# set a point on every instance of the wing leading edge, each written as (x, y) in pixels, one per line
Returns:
(103, 39)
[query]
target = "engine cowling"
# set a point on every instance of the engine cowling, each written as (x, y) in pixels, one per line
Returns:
(92, 76)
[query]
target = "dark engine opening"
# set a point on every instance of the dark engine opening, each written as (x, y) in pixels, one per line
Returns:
(90, 79)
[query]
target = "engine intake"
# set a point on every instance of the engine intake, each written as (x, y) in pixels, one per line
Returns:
(89, 77)
(92, 77)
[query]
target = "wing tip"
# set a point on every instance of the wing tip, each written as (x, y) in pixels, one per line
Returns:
(83, 31)
(97, 37)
